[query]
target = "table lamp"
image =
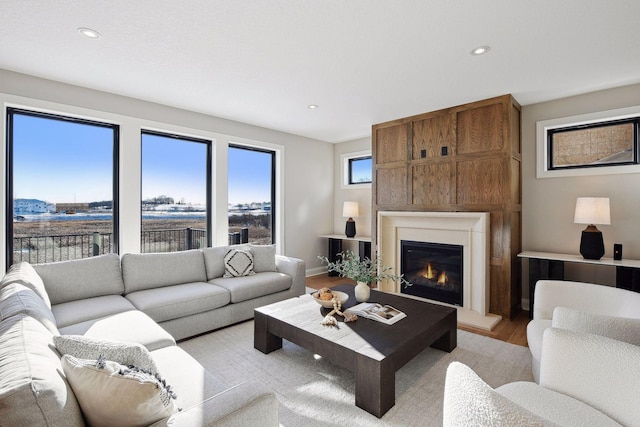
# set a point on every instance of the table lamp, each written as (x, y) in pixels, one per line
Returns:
(591, 211)
(350, 209)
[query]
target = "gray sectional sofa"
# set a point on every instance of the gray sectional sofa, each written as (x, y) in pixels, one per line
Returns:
(149, 299)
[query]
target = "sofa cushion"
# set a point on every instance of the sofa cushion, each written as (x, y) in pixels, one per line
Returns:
(110, 394)
(599, 371)
(249, 287)
(128, 354)
(214, 259)
(264, 258)
(188, 378)
(83, 278)
(73, 312)
(16, 298)
(131, 326)
(24, 273)
(559, 408)
(618, 328)
(469, 401)
(173, 302)
(238, 263)
(148, 271)
(33, 389)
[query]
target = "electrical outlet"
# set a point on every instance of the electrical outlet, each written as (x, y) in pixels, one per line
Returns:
(444, 151)
(423, 153)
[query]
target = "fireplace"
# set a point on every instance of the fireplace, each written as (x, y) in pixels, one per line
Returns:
(470, 230)
(434, 269)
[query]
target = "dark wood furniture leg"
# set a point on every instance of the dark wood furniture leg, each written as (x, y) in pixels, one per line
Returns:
(335, 247)
(449, 340)
(375, 385)
(264, 340)
(542, 269)
(364, 250)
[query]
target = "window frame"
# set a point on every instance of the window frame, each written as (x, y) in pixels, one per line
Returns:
(9, 113)
(209, 172)
(547, 128)
(273, 193)
(346, 160)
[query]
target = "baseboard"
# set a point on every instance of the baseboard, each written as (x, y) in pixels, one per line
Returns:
(315, 271)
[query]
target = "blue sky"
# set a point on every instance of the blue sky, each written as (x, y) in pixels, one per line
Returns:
(60, 162)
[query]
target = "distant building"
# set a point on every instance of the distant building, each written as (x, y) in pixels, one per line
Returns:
(72, 207)
(31, 206)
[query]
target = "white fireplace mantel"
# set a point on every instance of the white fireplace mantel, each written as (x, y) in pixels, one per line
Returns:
(467, 229)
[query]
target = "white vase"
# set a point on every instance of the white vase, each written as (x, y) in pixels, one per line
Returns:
(362, 292)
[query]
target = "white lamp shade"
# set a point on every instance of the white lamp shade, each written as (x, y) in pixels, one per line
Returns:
(350, 209)
(592, 210)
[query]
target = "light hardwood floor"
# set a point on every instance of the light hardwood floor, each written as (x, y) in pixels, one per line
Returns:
(513, 331)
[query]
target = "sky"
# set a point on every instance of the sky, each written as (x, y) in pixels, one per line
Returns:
(66, 162)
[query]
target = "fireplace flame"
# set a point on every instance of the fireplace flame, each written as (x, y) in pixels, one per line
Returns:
(429, 273)
(443, 279)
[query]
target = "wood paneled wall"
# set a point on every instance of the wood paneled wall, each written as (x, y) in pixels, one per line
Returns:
(464, 158)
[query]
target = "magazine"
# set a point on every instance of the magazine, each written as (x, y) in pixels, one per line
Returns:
(379, 313)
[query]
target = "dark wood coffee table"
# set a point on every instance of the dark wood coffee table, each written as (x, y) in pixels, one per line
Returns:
(371, 350)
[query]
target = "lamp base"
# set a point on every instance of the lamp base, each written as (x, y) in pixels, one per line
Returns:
(591, 243)
(350, 228)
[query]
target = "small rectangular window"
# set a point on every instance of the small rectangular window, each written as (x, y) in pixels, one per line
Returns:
(605, 143)
(360, 170)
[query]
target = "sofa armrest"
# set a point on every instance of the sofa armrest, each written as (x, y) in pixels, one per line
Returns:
(601, 372)
(247, 404)
(295, 268)
(589, 297)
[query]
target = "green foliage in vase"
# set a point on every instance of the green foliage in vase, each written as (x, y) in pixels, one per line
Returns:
(349, 265)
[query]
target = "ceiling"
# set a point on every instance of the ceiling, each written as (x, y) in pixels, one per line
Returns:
(361, 61)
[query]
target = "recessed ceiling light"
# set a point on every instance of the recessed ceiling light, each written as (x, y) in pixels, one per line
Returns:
(312, 106)
(481, 50)
(89, 33)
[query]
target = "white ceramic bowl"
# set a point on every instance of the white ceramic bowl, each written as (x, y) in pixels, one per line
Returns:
(342, 297)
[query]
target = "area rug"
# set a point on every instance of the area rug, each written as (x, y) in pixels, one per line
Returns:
(314, 392)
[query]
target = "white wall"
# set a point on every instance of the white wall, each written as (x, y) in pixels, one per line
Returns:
(360, 194)
(307, 193)
(548, 203)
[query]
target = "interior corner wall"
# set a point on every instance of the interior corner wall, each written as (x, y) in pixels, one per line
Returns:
(548, 204)
(308, 194)
(361, 195)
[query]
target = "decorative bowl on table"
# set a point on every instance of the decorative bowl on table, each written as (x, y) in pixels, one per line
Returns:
(325, 298)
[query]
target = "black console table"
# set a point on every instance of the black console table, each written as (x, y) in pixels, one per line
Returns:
(335, 247)
(547, 265)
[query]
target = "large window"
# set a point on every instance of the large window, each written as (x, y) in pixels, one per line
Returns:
(61, 187)
(176, 189)
(251, 195)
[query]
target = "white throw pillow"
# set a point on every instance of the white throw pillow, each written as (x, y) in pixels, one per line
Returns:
(264, 258)
(238, 263)
(469, 401)
(125, 353)
(111, 394)
(619, 328)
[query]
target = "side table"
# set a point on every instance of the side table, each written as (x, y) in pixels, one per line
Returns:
(547, 265)
(335, 247)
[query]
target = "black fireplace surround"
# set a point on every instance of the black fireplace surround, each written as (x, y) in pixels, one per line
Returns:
(434, 269)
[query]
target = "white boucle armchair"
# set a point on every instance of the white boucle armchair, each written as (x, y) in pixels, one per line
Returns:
(585, 380)
(585, 307)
